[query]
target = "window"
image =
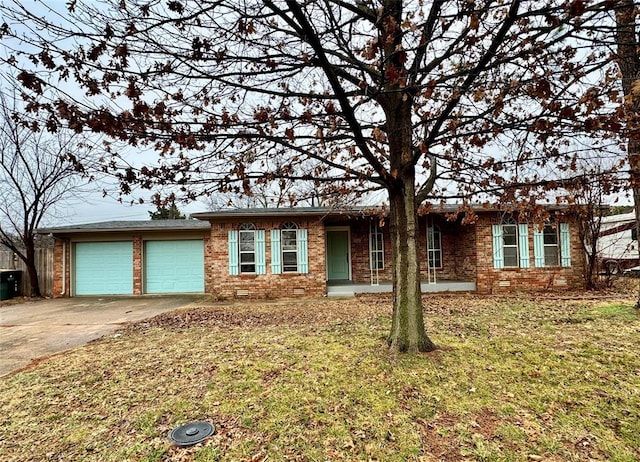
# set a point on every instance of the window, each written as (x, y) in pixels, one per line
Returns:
(376, 247)
(434, 247)
(510, 245)
(550, 239)
(552, 245)
(247, 248)
(289, 241)
(289, 249)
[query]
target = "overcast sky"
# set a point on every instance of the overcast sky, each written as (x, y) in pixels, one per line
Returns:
(90, 206)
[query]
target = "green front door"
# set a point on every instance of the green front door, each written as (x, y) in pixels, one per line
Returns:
(338, 255)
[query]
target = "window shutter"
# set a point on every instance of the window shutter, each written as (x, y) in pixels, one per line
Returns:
(523, 244)
(303, 265)
(276, 254)
(538, 246)
(565, 245)
(261, 266)
(233, 253)
(498, 253)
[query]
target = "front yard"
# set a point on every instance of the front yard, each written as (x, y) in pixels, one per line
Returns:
(516, 379)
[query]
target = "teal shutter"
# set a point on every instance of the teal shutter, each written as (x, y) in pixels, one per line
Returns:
(233, 253)
(538, 246)
(523, 244)
(261, 259)
(565, 245)
(303, 258)
(276, 265)
(498, 252)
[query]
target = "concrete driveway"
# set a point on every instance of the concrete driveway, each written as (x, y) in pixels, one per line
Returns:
(34, 329)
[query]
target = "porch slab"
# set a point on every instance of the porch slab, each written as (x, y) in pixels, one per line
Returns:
(343, 289)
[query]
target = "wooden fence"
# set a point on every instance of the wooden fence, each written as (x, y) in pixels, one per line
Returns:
(44, 263)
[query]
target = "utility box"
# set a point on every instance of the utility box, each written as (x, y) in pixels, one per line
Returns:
(10, 284)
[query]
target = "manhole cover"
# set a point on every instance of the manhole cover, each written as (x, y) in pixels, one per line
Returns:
(191, 433)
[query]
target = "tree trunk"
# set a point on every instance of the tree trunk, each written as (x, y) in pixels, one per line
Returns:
(407, 325)
(32, 271)
(628, 56)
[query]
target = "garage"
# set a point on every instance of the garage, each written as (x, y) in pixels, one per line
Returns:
(104, 268)
(174, 266)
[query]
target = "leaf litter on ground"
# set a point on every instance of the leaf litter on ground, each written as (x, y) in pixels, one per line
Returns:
(516, 378)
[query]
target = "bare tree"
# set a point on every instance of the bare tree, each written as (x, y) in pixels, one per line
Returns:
(592, 204)
(426, 100)
(38, 171)
(280, 194)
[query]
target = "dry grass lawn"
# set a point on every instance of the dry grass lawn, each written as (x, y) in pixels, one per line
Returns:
(515, 379)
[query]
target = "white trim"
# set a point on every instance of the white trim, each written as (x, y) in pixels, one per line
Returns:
(374, 230)
(327, 230)
(64, 267)
(434, 250)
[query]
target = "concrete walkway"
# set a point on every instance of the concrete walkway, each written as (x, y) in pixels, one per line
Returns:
(34, 329)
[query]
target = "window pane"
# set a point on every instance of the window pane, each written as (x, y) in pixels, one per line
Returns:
(435, 259)
(509, 235)
(248, 257)
(246, 247)
(246, 241)
(551, 256)
(289, 258)
(378, 260)
(247, 268)
(289, 240)
(510, 256)
(550, 235)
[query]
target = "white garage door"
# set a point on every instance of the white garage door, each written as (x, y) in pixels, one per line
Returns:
(174, 266)
(104, 268)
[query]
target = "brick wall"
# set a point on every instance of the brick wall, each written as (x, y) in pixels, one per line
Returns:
(510, 280)
(458, 251)
(360, 257)
(225, 286)
(137, 266)
(60, 277)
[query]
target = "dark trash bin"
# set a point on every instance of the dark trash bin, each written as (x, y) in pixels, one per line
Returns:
(5, 291)
(10, 284)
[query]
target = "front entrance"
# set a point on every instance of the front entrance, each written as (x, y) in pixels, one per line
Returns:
(338, 260)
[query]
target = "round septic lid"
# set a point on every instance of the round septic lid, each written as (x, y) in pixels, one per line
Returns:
(191, 433)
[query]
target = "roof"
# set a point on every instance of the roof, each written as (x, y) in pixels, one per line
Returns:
(285, 211)
(202, 219)
(324, 212)
(139, 225)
